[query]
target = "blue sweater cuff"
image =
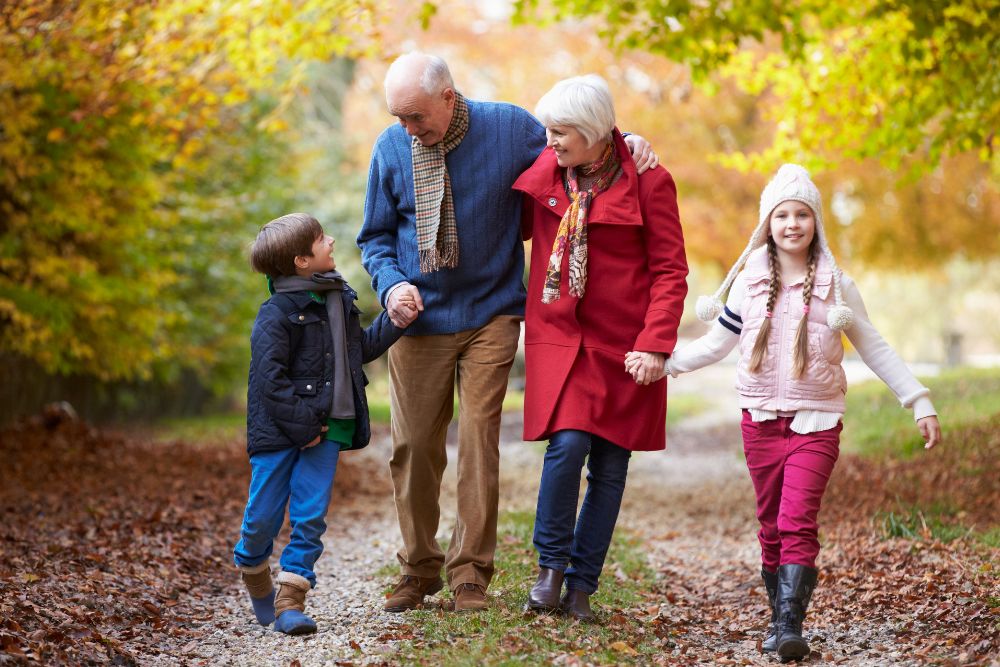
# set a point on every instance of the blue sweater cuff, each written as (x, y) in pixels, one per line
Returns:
(387, 278)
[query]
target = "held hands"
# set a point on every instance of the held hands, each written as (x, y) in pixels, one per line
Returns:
(642, 153)
(930, 428)
(317, 438)
(645, 367)
(404, 304)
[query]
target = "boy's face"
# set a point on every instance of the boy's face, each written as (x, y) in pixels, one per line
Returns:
(321, 260)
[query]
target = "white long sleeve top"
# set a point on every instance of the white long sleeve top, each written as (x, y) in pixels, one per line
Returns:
(725, 333)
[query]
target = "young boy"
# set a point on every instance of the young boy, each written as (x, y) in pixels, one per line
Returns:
(305, 402)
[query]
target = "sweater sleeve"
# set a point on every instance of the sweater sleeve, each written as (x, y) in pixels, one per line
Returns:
(882, 359)
(379, 231)
(720, 339)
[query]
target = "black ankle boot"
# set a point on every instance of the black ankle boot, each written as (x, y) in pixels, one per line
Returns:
(795, 588)
(577, 604)
(544, 595)
(771, 585)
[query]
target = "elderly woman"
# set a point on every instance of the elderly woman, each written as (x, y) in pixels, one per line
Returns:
(605, 296)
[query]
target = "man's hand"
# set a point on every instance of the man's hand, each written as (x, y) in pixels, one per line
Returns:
(317, 438)
(930, 428)
(642, 153)
(645, 367)
(404, 304)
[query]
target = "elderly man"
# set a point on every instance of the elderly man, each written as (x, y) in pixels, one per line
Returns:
(441, 239)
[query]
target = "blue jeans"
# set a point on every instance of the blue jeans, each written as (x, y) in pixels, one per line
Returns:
(580, 553)
(302, 479)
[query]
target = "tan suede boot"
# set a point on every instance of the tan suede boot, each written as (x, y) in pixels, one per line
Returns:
(257, 579)
(290, 603)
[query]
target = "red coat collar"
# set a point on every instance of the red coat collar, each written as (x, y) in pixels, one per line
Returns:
(619, 205)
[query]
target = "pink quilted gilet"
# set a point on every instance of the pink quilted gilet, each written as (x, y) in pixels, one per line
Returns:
(823, 385)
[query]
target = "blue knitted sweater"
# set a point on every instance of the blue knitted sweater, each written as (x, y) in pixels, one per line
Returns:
(502, 141)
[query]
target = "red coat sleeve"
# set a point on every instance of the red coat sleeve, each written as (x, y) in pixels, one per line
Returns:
(666, 261)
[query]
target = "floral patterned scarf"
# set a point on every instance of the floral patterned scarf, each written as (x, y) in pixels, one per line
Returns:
(573, 226)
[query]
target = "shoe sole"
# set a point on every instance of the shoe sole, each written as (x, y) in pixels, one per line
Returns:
(435, 588)
(793, 650)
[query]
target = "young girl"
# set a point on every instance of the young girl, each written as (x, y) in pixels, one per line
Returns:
(786, 310)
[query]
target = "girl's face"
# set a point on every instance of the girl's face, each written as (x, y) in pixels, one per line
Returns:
(571, 146)
(793, 226)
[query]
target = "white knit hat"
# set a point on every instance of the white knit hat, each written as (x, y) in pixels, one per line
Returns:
(792, 182)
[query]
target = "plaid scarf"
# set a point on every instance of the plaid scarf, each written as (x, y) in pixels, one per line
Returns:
(573, 226)
(437, 231)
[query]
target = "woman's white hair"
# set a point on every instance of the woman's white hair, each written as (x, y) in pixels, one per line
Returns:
(583, 102)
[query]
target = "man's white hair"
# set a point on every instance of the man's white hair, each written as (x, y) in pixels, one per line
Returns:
(583, 102)
(435, 76)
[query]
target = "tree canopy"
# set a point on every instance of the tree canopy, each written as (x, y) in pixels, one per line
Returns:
(907, 82)
(141, 144)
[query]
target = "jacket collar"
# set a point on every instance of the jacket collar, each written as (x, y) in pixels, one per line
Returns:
(543, 182)
(757, 269)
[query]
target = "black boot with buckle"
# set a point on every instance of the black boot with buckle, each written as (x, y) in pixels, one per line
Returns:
(795, 589)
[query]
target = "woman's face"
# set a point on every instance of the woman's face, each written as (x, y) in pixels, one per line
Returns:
(571, 146)
(793, 225)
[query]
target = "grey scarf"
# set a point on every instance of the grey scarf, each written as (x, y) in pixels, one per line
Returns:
(330, 284)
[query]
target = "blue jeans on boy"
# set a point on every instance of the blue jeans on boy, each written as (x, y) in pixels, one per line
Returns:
(580, 553)
(302, 479)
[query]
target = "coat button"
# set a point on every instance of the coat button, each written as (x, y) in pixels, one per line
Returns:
(327, 384)
(309, 386)
(328, 354)
(553, 201)
(301, 317)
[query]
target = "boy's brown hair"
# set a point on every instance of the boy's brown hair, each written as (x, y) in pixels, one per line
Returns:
(280, 241)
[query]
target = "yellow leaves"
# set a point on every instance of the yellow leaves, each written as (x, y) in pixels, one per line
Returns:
(56, 135)
(622, 647)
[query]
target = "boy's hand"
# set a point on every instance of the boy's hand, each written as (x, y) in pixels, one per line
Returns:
(318, 438)
(930, 428)
(404, 304)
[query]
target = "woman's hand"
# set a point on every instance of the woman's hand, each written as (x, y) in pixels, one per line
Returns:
(642, 153)
(645, 367)
(930, 428)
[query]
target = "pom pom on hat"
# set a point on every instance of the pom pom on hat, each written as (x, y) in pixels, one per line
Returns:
(839, 317)
(708, 308)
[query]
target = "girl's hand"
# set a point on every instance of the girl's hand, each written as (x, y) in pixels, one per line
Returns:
(930, 428)
(645, 367)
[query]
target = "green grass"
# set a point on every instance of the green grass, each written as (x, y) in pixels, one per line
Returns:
(875, 424)
(923, 524)
(506, 635)
(221, 428)
(681, 406)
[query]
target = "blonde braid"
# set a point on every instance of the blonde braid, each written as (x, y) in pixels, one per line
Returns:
(801, 346)
(760, 343)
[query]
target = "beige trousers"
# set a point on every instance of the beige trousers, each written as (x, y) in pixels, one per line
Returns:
(423, 372)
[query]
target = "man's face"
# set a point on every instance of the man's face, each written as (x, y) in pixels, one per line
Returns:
(422, 115)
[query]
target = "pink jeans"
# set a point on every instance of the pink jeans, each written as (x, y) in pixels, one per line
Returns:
(790, 472)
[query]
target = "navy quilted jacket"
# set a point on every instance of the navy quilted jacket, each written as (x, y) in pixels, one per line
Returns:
(291, 369)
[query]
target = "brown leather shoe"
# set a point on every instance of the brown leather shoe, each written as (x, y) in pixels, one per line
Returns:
(470, 597)
(410, 592)
(577, 604)
(544, 595)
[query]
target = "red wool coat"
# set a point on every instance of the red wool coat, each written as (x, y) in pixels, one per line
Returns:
(575, 348)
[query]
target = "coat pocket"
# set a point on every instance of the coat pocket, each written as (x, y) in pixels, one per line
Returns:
(305, 386)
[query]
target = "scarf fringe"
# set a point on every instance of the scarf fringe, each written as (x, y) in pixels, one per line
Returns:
(432, 259)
